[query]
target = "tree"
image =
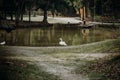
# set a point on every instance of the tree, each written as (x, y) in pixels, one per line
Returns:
(19, 10)
(29, 4)
(76, 4)
(45, 5)
(79, 5)
(7, 8)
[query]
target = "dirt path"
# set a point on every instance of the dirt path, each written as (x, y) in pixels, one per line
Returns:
(51, 64)
(59, 64)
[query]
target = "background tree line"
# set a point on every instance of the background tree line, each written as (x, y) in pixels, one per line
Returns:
(17, 8)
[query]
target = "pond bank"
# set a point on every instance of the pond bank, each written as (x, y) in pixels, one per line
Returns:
(61, 61)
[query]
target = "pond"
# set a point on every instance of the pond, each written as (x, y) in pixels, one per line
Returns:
(49, 36)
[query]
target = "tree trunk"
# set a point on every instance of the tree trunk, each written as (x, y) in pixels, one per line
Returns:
(21, 16)
(79, 12)
(83, 14)
(17, 18)
(0, 20)
(94, 9)
(53, 10)
(45, 16)
(11, 17)
(29, 14)
(5, 16)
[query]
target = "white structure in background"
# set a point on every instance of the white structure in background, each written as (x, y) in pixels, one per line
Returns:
(3, 43)
(62, 43)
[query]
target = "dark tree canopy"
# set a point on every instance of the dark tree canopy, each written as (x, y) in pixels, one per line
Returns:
(65, 7)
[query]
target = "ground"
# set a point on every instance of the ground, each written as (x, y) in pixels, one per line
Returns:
(59, 61)
(60, 20)
(37, 21)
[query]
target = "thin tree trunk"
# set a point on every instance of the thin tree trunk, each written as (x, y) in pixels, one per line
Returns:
(94, 9)
(53, 10)
(5, 16)
(79, 13)
(17, 18)
(11, 17)
(22, 16)
(29, 14)
(21, 10)
(0, 20)
(83, 14)
(45, 16)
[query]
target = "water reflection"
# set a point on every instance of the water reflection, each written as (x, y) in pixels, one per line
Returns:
(85, 34)
(49, 36)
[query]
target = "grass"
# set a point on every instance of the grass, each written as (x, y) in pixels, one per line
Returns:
(21, 70)
(103, 69)
(108, 46)
(97, 47)
(12, 69)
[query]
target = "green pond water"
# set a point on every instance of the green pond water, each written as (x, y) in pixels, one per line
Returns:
(49, 36)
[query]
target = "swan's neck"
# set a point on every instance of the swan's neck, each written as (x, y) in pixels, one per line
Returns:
(61, 40)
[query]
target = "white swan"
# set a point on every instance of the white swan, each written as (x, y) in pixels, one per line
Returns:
(3, 43)
(62, 43)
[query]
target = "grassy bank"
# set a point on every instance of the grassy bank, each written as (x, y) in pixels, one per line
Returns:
(107, 68)
(107, 46)
(103, 69)
(19, 69)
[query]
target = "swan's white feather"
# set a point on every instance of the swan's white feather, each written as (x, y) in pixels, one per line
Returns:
(62, 43)
(3, 43)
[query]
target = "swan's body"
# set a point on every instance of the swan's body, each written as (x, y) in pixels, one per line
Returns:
(62, 43)
(3, 43)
